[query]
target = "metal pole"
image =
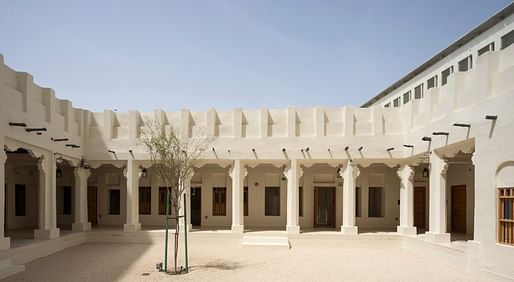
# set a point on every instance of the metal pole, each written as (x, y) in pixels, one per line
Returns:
(186, 226)
(166, 238)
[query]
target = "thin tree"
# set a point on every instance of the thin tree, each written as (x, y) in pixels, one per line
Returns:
(172, 157)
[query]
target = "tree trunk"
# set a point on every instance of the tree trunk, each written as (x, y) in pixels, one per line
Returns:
(177, 231)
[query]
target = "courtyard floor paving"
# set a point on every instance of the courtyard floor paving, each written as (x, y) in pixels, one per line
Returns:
(310, 258)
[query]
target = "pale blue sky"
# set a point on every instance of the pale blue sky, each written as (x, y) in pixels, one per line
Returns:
(170, 55)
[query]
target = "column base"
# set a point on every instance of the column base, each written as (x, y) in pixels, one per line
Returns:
(134, 227)
(437, 237)
(238, 228)
(5, 243)
(349, 230)
(189, 228)
(293, 229)
(406, 230)
(81, 227)
(45, 234)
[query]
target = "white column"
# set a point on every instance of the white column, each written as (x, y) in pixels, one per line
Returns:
(80, 222)
(293, 174)
(5, 242)
(132, 173)
(437, 205)
(237, 173)
(47, 220)
(186, 193)
(350, 174)
(406, 174)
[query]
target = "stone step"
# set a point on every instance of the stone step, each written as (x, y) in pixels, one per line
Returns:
(7, 269)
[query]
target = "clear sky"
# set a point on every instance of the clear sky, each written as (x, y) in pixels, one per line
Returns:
(146, 55)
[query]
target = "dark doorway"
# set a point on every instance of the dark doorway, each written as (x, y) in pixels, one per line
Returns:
(459, 208)
(91, 205)
(196, 206)
(419, 207)
(324, 203)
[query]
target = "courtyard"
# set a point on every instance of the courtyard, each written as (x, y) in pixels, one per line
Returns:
(216, 256)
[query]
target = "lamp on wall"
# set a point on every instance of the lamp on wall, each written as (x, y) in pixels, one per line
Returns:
(144, 173)
(58, 173)
(425, 172)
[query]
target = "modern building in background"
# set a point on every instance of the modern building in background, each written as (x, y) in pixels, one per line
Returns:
(430, 160)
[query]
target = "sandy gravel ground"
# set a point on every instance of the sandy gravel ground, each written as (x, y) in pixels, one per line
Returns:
(311, 258)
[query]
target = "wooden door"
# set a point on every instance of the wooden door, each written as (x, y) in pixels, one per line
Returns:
(459, 208)
(419, 207)
(196, 206)
(92, 205)
(324, 207)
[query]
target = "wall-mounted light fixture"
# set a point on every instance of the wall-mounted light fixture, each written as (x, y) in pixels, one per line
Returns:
(58, 173)
(84, 164)
(425, 172)
(426, 138)
(144, 173)
(440, 133)
(18, 124)
(408, 146)
(462, 125)
(490, 117)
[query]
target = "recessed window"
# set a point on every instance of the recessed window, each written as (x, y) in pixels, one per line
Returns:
(272, 201)
(300, 201)
(445, 74)
(486, 48)
(219, 201)
(358, 201)
(145, 200)
(418, 91)
(507, 39)
(406, 97)
(375, 202)
(432, 82)
(506, 216)
(245, 201)
(114, 201)
(19, 200)
(466, 64)
(396, 102)
(388, 105)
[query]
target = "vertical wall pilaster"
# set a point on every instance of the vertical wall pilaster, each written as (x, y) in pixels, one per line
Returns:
(5, 243)
(437, 199)
(80, 222)
(47, 221)
(186, 193)
(132, 173)
(406, 174)
(350, 174)
(293, 174)
(237, 173)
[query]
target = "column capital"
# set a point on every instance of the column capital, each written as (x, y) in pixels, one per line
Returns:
(237, 167)
(352, 168)
(406, 170)
(81, 172)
